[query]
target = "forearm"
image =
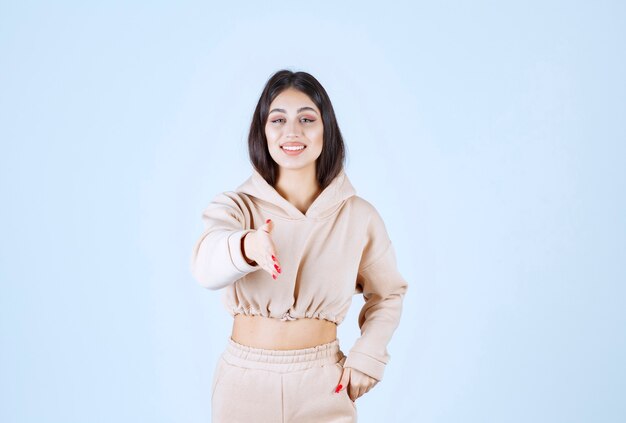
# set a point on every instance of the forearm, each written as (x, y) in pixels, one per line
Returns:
(218, 258)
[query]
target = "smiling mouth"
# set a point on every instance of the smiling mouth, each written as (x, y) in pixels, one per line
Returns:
(293, 150)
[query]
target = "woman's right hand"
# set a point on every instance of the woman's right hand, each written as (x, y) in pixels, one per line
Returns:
(258, 246)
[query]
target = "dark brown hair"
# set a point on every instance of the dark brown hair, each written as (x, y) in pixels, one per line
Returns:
(331, 160)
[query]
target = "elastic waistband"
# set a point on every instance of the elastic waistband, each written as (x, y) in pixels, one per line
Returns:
(282, 360)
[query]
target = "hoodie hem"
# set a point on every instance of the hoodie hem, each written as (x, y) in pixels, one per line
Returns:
(286, 316)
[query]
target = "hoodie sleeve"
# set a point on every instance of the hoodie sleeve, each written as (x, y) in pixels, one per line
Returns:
(217, 259)
(383, 289)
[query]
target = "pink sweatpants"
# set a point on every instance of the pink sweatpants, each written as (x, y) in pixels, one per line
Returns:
(280, 386)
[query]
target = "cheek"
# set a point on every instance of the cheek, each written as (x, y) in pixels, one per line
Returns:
(271, 133)
(316, 134)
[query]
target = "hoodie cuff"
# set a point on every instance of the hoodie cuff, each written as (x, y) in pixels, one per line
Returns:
(234, 247)
(366, 364)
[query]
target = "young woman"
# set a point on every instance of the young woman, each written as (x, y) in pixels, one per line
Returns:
(289, 248)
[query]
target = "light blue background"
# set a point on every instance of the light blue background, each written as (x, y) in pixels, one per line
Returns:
(490, 137)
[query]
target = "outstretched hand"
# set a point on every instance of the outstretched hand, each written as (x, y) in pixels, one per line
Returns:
(356, 382)
(259, 247)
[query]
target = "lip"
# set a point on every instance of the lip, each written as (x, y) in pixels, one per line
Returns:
(293, 144)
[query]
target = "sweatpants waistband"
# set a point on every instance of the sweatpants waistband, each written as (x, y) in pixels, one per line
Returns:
(282, 360)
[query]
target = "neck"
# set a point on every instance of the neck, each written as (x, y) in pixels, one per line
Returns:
(298, 186)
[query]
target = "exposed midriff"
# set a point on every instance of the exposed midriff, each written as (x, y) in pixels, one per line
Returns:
(270, 333)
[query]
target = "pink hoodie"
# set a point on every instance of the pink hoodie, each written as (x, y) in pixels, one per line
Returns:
(338, 248)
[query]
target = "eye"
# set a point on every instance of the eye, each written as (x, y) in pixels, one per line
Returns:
(306, 120)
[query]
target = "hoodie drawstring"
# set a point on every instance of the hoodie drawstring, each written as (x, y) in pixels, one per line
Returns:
(287, 316)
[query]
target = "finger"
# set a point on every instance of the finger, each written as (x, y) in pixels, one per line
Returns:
(276, 268)
(268, 265)
(273, 264)
(273, 272)
(343, 381)
(273, 253)
(268, 226)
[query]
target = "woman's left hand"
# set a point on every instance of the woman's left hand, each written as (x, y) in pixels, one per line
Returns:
(356, 382)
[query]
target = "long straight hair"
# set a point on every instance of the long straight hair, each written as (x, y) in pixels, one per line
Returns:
(331, 160)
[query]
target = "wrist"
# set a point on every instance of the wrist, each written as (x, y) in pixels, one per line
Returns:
(245, 246)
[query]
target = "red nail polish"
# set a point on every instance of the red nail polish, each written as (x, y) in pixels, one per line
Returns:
(268, 220)
(273, 258)
(274, 276)
(277, 268)
(338, 388)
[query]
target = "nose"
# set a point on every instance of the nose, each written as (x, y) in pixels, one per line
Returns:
(293, 130)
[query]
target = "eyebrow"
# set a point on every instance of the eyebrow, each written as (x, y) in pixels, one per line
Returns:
(299, 110)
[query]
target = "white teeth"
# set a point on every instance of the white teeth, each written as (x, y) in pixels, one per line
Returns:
(293, 148)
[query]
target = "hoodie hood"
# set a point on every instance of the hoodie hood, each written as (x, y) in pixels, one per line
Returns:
(266, 197)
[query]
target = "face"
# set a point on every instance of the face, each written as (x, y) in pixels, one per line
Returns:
(294, 120)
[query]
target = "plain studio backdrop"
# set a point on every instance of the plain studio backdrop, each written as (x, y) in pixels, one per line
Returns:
(489, 136)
